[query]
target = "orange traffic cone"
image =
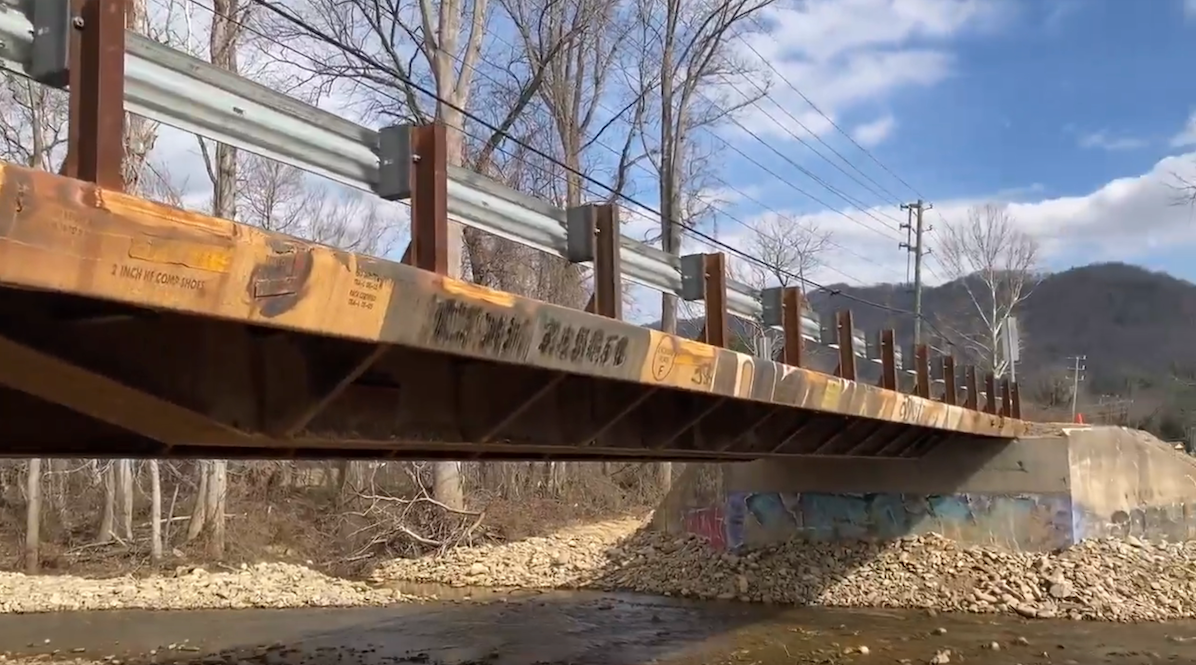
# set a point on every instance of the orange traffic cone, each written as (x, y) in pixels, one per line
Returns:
(1079, 418)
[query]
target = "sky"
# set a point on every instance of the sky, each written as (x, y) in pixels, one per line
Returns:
(1080, 115)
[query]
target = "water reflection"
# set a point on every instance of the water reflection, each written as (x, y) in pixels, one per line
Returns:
(504, 627)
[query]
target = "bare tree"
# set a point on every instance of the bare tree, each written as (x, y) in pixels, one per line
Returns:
(155, 511)
(281, 198)
(994, 262)
(199, 511)
(107, 477)
(33, 515)
(228, 20)
(791, 248)
(124, 490)
(687, 57)
(33, 123)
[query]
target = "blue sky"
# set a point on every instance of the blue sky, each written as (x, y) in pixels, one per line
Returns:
(1078, 113)
(1073, 110)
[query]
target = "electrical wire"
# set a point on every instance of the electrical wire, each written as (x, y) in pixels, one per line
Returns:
(710, 240)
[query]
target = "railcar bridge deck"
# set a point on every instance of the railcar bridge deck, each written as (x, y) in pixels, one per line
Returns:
(135, 329)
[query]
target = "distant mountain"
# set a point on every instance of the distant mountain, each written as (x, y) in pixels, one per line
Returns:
(1136, 327)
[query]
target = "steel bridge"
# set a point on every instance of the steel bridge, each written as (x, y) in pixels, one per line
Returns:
(134, 329)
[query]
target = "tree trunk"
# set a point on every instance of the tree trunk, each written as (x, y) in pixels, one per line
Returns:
(155, 512)
(446, 484)
(199, 512)
(217, 485)
(108, 515)
(33, 516)
(124, 475)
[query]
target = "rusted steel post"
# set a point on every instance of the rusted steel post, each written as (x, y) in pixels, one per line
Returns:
(990, 389)
(429, 199)
(950, 394)
(1017, 401)
(96, 129)
(888, 360)
(973, 399)
(608, 269)
(592, 236)
(922, 370)
(846, 345)
(792, 305)
(714, 270)
(1006, 398)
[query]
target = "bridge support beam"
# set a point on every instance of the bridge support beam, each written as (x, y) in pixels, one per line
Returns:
(54, 380)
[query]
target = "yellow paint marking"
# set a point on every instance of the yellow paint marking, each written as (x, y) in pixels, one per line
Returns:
(149, 212)
(832, 392)
(679, 363)
(476, 292)
(182, 253)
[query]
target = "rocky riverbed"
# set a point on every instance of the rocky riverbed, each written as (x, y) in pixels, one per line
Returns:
(1102, 580)
(264, 585)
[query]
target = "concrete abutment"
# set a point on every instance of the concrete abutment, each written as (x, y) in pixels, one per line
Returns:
(1035, 493)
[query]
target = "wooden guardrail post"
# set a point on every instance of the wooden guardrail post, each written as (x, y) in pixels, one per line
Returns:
(592, 236)
(704, 277)
(922, 371)
(972, 401)
(950, 393)
(784, 306)
(96, 75)
(888, 359)
(846, 333)
(990, 390)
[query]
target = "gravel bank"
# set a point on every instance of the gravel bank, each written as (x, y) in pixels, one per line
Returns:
(266, 585)
(1102, 580)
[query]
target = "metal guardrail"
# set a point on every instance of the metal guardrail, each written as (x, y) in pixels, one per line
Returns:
(176, 89)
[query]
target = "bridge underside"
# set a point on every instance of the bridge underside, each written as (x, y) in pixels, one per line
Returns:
(84, 377)
(129, 328)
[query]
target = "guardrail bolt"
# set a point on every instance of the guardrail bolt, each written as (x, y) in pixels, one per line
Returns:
(78, 23)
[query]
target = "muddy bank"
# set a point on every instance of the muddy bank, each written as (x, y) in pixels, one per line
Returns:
(583, 629)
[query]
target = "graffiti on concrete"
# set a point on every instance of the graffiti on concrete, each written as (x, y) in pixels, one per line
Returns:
(708, 523)
(1016, 521)
(1174, 522)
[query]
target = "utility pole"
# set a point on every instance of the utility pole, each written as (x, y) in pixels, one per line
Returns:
(1077, 367)
(914, 225)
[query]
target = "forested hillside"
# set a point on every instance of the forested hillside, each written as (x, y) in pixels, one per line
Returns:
(1134, 326)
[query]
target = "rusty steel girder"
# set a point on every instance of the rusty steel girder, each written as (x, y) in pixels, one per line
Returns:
(63, 237)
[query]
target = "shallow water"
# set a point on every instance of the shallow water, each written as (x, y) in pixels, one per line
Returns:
(555, 628)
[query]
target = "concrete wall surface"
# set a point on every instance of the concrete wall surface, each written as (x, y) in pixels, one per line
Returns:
(1128, 483)
(1031, 494)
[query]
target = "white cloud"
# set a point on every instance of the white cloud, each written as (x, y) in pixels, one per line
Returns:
(1187, 136)
(873, 133)
(847, 54)
(1102, 140)
(1125, 219)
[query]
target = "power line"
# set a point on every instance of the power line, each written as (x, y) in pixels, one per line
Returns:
(713, 241)
(916, 209)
